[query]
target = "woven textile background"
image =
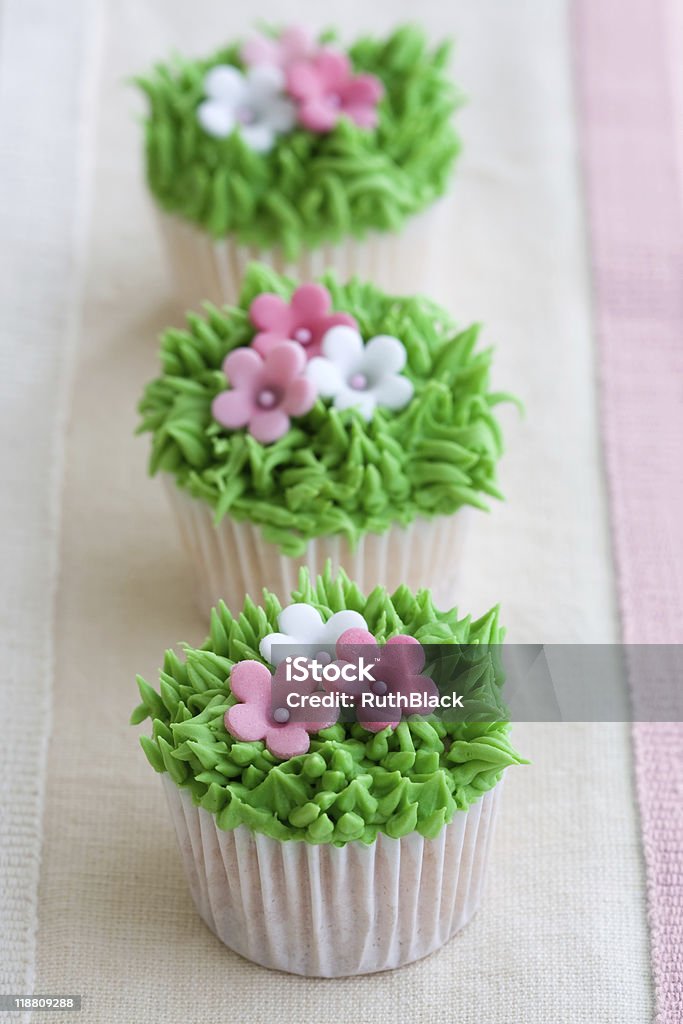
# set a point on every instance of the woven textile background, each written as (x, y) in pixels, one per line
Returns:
(562, 934)
(44, 145)
(631, 104)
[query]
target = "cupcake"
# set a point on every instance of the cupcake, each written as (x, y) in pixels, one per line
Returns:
(289, 149)
(322, 843)
(322, 421)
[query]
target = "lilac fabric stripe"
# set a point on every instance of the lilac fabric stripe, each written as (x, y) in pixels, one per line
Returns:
(634, 187)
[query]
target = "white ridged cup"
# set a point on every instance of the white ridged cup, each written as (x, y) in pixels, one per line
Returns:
(232, 559)
(326, 911)
(204, 268)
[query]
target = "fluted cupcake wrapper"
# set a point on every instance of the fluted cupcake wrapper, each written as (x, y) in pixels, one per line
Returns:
(205, 268)
(232, 559)
(326, 911)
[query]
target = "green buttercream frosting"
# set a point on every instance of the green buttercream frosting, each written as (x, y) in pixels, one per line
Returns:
(332, 472)
(351, 784)
(310, 188)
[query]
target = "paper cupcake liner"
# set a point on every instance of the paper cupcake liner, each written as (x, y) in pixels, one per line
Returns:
(203, 268)
(232, 559)
(326, 911)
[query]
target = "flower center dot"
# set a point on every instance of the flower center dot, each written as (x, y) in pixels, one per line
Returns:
(334, 100)
(303, 335)
(359, 382)
(379, 687)
(281, 715)
(266, 399)
(245, 115)
(323, 658)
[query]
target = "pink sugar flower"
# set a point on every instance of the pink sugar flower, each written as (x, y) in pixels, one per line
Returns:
(294, 44)
(263, 713)
(305, 319)
(396, 667)
(265, 392)
(326, 88)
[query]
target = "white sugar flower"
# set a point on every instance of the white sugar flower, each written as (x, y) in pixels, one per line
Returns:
(251, 101)
(303, 631)
(359, 376)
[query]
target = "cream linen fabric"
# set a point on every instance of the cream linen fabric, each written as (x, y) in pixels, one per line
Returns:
(43, 122)
(561, 936)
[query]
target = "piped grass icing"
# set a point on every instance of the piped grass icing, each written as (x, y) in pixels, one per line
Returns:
(334, 469)
(311, 185)
(351, 783)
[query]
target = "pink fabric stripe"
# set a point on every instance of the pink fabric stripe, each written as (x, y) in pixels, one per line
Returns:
(634, 189)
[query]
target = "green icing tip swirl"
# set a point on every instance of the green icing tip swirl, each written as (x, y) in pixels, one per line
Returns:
(310, 189)
(332, 472)
(352, 784)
